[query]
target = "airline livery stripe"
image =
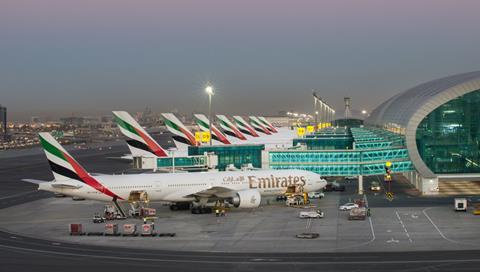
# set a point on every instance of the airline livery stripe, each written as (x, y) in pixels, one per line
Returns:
(266, 124)
(229, 127)
(57, 160)
(131, 135)
(190, 137)
(125, 125)
(155, 148)
(202, 123)
(63, 171)
(85, 177)
(217, 135)
(52, 149)
(139, 145)
(180, 131)
(244, 127)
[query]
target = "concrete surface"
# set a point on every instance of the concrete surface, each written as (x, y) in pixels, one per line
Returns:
(269, 228)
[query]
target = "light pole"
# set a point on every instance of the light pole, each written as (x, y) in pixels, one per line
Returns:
(209, 91)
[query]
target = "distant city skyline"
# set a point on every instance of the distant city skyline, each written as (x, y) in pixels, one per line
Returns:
(89, 57)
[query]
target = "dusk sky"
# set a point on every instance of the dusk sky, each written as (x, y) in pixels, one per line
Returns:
(87, 57)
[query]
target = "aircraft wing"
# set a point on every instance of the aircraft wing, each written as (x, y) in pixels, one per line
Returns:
(216, 191)
(54, 184)
(35, 181)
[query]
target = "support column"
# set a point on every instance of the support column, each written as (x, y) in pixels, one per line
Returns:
(360, 185)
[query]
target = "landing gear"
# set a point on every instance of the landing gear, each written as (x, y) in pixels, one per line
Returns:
(180, 206)
(201, 210)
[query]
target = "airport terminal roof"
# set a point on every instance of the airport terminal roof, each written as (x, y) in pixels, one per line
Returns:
(406, 110)
(400, 108)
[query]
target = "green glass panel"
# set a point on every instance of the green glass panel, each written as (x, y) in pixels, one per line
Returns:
(238, 155)
(448, 137)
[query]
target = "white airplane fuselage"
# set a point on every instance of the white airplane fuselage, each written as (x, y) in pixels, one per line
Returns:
(179, 187)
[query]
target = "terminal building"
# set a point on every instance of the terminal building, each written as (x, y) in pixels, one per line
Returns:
(440, 122)
(429, 133)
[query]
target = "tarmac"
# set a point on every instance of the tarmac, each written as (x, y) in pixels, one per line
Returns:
(269, 228)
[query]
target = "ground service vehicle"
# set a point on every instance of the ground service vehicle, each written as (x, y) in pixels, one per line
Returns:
(316, 195)
(375, 186)
(311, 214)
(348, 206)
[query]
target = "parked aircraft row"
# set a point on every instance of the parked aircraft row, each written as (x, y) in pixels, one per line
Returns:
(258, 131)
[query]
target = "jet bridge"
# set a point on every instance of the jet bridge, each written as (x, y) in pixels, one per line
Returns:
(370, 149)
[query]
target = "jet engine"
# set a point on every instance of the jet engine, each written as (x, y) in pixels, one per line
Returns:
(247, 199)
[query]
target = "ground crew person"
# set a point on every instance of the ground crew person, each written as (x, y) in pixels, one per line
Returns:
(217, 212)
(368, 212)
(144, 220)
(223, 212)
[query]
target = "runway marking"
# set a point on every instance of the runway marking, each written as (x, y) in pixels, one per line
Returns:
(308, 226)
(424, 211)
(369, 219)
(392, 241)
(404, 228)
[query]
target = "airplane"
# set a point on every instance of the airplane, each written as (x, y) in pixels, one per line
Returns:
(139, 141)
(241, 189)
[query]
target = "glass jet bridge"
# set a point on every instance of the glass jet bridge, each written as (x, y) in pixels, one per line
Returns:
(365, 151)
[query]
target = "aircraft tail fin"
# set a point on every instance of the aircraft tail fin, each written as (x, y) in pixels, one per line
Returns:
(139, 141)
(203, 122)
(62, 164)
(258, 126)
(65, 167)
(244, 127)
(229, 128)
(267, 124)
(180, 131)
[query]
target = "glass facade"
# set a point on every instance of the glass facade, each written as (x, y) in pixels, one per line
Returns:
(193, 161)
(232, 154)
(348, 169)
(448, 138)
(342, 163)
(323, 143)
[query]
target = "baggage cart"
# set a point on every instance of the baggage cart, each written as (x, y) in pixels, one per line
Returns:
(129, 230)
(111, 229)
(76, 229)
